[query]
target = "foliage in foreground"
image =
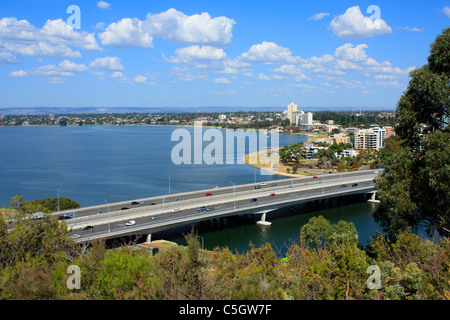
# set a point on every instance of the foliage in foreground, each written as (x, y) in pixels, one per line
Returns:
(325, 264)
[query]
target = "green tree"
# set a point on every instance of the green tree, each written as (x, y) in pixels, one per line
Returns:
(414, 187)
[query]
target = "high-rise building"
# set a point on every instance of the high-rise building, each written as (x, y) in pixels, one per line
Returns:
(367, 139)
(292, 112)
(381, 136)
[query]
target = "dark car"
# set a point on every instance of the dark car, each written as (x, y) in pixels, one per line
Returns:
(88, 228)
(253, 200)
(134, 203)
(152, 204)
(124, 208)
(354, 185)
(65, 216)
(343, 185)
(201, 209)
(258, 187)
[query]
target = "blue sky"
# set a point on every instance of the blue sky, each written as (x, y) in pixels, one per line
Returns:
(213, 53)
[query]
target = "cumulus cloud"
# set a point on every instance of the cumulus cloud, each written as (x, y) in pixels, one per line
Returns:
(71, 66)
(268, 52)
(348, 52)
(107, 63)
(446, 11)
(54, 39)
(353, 24)
(319, 16)
(171, 25)
(18, 74)
(125, 34)
(197, 53)
(103, 5)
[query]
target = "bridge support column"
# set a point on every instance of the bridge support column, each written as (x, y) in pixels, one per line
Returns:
(149, 238)
(373, 198)
(263, 220)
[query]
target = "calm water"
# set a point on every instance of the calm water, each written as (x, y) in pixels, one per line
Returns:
(92, 163)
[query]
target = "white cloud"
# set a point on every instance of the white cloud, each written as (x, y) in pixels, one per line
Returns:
(120, 77)
(197, 53)
(107, 63)
(175, 26)
(126, 33)
(446, 10)
(71, 66)
(319, 16)
(140, 79)
(269, 52)
(222, 81)
(18, 74)
(103, 5)
(172, 26)
(348, 52)
(353, 24)
(54, 39)
(412, 29)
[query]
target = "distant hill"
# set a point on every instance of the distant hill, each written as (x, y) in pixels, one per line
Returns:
(87, 110)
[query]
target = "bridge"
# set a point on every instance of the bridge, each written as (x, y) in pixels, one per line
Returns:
(153, 214)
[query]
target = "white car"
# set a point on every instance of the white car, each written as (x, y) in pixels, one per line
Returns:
(175, 210)
(131, 223)
(263, 184)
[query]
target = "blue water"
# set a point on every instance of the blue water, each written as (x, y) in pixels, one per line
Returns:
(91, 163)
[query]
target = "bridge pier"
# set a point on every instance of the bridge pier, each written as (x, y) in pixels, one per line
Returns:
(263, 221)
(373, 197)
(149, 238)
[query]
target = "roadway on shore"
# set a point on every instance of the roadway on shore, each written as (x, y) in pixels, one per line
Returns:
(222, 200)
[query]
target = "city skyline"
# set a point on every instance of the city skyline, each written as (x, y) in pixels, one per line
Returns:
(177, 54)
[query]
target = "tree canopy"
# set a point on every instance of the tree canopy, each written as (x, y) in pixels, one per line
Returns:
(414, 188)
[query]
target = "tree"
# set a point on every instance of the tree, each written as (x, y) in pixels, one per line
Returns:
(414, 187)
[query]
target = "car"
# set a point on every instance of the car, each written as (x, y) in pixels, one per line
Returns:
(75, 236)
(210, 209)
(272, 194)
(124, 208)
(354, 185)
(155, 217)
(100, 212)
(37, 215)
(143, 203)
(201, 208)
(208, 194)
(273, 184)
(263, 184)
(258, 187)
(254, 200)
(131, 223)
(367, 184)
(88, 228)
(65, 216)
(315, 177)
(343, 185)
(175, 210)
(134, 203)
(180, 199)
(152, 204)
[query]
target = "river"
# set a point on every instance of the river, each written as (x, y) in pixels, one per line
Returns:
(91, 164)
